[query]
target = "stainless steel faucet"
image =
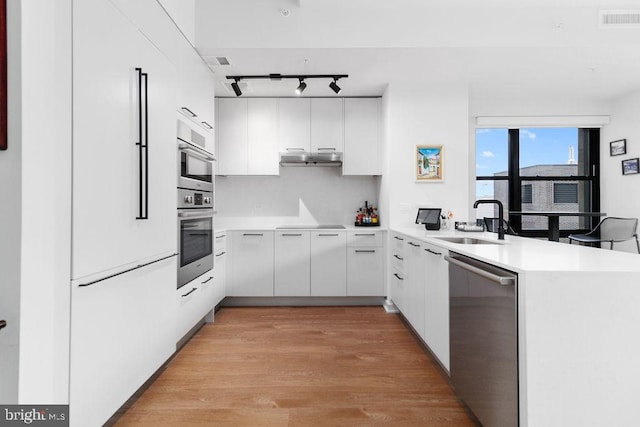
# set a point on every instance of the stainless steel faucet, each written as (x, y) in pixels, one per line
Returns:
(501, 229)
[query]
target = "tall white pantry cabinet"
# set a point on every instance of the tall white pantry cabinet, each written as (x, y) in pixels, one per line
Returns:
(123, 311)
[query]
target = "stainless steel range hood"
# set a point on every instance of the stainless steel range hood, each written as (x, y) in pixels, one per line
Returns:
(311, 159)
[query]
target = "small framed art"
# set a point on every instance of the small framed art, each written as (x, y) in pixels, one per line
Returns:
(429, 163)
(617, 148)
(630, 166)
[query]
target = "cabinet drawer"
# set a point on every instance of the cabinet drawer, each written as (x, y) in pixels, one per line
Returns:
(364, 238)
(195, 300)
(398, 262)
(397, 244)
(220, 242)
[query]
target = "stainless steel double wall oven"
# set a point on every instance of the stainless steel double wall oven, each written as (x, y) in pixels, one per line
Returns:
(195, 205)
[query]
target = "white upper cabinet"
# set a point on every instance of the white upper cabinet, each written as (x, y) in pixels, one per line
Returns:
(107, 49)
(262, 150)
(247, 136)
(195, 92)
(195, 97)
(294, 124)
(327, 124)
(361, 136)
(232, 132)
(349, 125)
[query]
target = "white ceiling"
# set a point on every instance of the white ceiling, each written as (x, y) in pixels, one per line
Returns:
(497, 47)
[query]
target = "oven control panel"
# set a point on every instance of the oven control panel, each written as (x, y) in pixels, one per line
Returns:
(194, 199)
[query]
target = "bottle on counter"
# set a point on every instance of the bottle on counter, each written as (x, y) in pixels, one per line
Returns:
(359, 216)
(374, 216)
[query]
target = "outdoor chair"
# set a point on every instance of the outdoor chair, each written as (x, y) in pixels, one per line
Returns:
(612, 230)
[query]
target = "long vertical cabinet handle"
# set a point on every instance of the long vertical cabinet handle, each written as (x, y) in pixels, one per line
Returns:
(143, 145)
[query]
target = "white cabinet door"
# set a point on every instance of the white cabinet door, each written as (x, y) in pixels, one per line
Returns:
(436, 302)
(327, 124)
(294, 124)
(121, 333)
(361, 136)
(365, 272)
(106, 234)
(328, 263)
(232, 131)
(292, 263)
(262, 150)
(415, 308)
(252, 264)
(398, 289)
(195, 300)
(220, 266)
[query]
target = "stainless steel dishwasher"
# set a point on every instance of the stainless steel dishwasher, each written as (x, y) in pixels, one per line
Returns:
(483, 320)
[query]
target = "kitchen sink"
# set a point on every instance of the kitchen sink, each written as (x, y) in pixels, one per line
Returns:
(468, 241)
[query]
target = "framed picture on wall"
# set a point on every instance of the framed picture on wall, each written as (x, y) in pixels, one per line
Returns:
(429, 163)
(630, 166)
(617, 148)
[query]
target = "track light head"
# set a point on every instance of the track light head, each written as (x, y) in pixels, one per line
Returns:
(236, 88)
(301, 87)
(334, 86)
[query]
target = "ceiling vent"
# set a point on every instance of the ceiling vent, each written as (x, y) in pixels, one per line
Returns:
(223, 61)
(619, 19)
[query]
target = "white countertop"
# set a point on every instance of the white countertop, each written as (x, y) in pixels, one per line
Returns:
(521, 254)
(277, 228)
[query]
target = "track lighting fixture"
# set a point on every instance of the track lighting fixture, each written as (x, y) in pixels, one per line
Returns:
(301, 78)
(301, 87)
(334, 86)
(236, 88)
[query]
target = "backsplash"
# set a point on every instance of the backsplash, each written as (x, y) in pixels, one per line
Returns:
(304, 195)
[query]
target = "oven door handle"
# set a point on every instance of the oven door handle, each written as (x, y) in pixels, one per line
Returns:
(195, 150)
(194, 214)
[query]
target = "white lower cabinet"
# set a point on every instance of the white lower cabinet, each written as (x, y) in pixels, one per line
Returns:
(195, 300)
(292, 263)
(328, 263)
(252, 265)
(120, 335)
(220, 260)
(365, 263)
(436, 302)
(397, 272)
(415, 304)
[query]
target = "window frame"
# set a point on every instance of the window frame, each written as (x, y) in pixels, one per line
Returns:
(588, 136)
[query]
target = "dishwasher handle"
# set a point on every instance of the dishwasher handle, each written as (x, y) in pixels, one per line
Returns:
(501, 280)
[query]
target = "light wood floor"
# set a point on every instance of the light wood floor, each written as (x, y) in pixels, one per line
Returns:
(305, 366)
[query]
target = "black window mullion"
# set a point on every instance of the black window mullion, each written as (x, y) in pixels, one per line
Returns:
(515, 200)
(593, 142)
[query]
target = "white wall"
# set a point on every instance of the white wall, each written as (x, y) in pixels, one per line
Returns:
(619, 193)
(300, 195)
(425, 115)
(39, 199)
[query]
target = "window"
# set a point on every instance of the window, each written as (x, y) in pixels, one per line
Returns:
(565, 193)
(539, 169)
(527, 193)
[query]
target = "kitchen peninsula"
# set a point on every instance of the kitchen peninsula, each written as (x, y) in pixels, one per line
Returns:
(577, 311)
